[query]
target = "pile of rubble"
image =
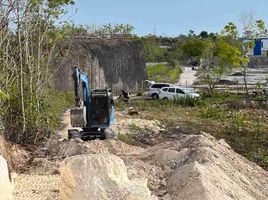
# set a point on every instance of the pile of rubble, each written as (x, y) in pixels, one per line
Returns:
(126, 124)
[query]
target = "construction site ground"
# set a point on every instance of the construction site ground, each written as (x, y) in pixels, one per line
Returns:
(177, 164)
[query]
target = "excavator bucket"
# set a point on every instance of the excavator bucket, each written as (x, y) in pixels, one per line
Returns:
(78, 117)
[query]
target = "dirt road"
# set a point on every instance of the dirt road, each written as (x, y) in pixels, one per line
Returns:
(187, 78)
(66, 124)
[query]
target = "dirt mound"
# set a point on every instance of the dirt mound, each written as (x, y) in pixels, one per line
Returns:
(16, 156)
(191, 167)
(128, 125)
(47, 159)
(206, 168)
(100, 176)
(66, 148)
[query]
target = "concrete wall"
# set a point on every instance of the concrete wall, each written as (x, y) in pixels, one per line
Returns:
(118, 64)
(265, 44)
(258, 62)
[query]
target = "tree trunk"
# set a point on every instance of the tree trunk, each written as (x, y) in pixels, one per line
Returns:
(245, 80)
(21, 81)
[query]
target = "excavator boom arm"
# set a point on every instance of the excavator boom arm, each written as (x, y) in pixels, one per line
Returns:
(82, 78)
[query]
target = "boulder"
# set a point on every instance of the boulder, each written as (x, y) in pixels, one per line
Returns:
(186, 183)
(5, 184)
(99, 176)
(165, 157)
(64, 148)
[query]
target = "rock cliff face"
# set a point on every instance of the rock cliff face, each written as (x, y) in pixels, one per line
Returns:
(114, 63)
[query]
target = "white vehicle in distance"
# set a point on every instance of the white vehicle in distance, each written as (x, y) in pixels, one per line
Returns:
(155, 88)
(176, 92)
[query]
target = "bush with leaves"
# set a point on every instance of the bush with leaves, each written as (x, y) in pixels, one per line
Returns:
(164, 72)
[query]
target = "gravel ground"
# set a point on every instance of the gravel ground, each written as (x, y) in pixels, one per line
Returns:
(36, 187)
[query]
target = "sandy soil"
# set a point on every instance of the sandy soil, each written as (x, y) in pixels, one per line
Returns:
(66, 124)
(36, 187)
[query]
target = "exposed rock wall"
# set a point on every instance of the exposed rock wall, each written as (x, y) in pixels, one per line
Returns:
(114, 63)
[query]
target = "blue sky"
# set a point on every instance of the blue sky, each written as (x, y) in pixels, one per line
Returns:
(167, 17)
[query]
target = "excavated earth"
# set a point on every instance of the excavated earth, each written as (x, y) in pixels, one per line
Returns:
(188, 167)
(173, 166)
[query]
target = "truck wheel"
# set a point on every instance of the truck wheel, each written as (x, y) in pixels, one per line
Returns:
(165, 98)
(155, 96)
(73, 133)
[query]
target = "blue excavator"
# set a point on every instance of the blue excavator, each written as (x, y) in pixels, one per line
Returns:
(94, 110)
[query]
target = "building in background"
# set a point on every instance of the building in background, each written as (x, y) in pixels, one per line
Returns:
(261, 47)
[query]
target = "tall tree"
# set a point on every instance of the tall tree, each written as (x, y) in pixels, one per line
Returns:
(203, 34)
(27, 38)
(193, 47)
(225, 53)
(230, 29)
(252, 30)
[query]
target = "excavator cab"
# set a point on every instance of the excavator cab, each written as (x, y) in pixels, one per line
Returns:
(95, 114)
(101, 107)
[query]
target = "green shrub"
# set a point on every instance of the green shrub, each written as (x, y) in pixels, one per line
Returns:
(54, 105)
(238, 121)
(43, 116)
(164, 73)
(124, 138)
(212, 111)
(209, 111)
(185, 101)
